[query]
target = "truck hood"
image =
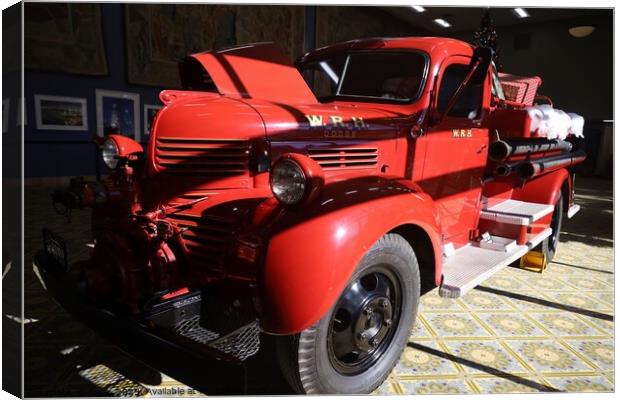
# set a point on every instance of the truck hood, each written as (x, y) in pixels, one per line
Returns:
(255, 71)
(203, 141)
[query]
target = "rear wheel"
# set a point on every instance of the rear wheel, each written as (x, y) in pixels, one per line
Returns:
(353, 348)
(549, 246)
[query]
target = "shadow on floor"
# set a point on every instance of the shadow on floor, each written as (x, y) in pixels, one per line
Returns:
(584, 268)
(546, 303)
(65, 364)
(593, 225)
(482, 368)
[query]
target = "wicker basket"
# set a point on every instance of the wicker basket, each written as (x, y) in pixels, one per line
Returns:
(520, 89)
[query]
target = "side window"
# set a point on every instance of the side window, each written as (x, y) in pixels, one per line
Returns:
(469, 102)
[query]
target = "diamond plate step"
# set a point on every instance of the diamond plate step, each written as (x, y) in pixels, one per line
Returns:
(240, 344)
(515, 212)
(191, 329)
(470, 265)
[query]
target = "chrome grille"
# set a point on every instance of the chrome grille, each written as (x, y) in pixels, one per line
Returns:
(206, 237)
(344, 157)
(202, 156)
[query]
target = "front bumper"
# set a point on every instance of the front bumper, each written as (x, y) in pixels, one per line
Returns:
(171, 327)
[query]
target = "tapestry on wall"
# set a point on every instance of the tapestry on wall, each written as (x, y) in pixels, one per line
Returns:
(64, 37)
(369, 22)
(160, 35)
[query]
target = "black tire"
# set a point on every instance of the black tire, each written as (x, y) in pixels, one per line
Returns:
(315, 361)
(549, 246)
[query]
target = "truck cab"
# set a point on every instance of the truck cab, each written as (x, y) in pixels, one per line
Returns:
(312, 201)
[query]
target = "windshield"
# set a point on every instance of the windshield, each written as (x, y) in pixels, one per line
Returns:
(387, 76)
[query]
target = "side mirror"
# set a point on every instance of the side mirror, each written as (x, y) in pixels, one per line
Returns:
(476, 74)
(479, 65)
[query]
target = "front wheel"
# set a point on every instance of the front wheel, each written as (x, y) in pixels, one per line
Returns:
(353, 348)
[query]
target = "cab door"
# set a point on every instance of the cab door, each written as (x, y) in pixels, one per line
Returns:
(456, 151)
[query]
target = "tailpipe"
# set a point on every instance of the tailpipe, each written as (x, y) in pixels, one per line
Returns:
(532, 168)
(505, 169)
(501, 150)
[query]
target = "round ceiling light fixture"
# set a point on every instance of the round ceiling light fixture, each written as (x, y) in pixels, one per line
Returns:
(581, 31)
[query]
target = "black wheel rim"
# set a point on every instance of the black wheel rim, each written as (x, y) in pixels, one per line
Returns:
(364, 320)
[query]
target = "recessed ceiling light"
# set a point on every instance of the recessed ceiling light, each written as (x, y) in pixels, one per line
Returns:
(419, 9)
(521, 13)
(442, 22)
(581, 31)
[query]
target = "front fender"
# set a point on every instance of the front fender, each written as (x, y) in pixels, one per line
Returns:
(314, 250)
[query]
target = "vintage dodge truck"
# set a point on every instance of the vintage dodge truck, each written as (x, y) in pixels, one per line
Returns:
(312, 201)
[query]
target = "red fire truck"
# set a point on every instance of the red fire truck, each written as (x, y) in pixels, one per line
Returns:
(311, 201)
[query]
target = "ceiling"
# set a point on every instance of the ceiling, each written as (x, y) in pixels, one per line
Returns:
(468, 18)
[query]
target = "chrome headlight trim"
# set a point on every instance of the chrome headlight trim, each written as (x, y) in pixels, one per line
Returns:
(109, 153)
(288, 182)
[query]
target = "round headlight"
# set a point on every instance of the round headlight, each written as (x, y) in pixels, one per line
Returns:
(109, 151)
(288, 182)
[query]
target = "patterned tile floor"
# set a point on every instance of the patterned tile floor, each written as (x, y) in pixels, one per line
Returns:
(518, 332)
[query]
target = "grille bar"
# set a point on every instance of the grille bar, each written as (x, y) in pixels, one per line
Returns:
(323, 156)
(346, 163)
(345, 157)
(178, 155)
(206, 237)
(219, 153)
(200, 162)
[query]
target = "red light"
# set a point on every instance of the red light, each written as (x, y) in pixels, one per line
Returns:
(175, 293)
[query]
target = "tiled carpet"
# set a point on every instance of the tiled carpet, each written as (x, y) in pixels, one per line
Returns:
(518, 332)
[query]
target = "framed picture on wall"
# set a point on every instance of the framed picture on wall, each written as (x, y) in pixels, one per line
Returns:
(149, 113)
(60, 113)
(118, 113)
(5, 114)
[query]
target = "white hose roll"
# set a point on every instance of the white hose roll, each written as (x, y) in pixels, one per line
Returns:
(553, 123)
(577, 123)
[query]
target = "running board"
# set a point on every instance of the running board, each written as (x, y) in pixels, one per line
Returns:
(471, 265)
(574, 209)
(516, 212)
